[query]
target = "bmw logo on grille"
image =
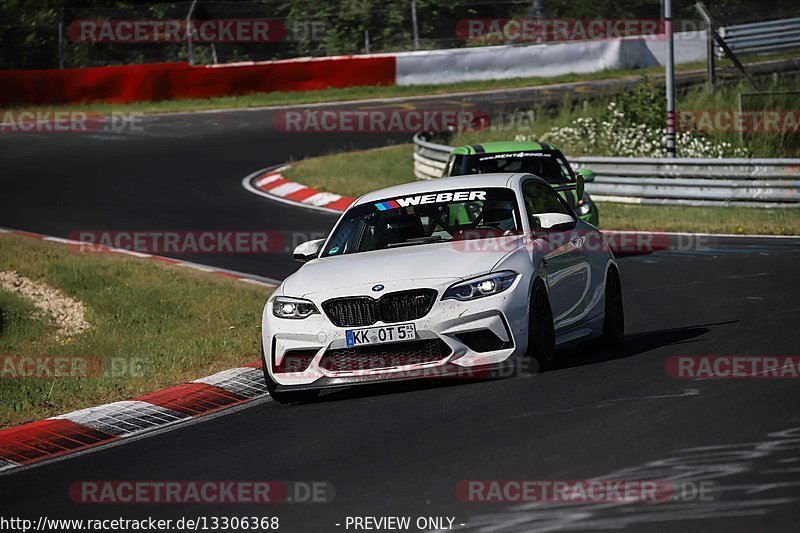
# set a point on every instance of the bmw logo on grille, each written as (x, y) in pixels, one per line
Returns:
(377, 288)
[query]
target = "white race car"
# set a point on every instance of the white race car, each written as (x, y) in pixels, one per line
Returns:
(440, 278)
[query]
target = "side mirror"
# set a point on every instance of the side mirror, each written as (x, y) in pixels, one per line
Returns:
(584, 176)
(580, 186)
(307, 251)
(588, 175)
(554, 221)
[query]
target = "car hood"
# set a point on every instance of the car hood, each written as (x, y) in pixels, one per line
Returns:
(397, 266)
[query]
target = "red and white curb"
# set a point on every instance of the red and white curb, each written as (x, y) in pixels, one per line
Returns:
(270, 183)
(79, 430)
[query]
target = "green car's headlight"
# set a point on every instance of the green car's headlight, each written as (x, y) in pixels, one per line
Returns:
(285, 307)
(584, 205)
(480, 287)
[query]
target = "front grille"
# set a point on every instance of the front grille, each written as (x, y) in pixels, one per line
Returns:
(406, 305)
(384, 355)
(391, 307)
(352, 311)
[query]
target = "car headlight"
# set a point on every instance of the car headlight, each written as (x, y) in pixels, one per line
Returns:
(479, 287)
(285, 307)
(584, 205)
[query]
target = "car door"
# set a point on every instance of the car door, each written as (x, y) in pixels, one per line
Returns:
(568, 274)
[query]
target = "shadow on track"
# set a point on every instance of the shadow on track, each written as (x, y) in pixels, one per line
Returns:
(398, 387)
(634, 344)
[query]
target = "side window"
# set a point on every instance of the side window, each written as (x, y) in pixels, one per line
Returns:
(456, 166)
(541, 198)
(566, 170)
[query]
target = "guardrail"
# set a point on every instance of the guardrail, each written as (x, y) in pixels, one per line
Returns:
(756, 37)
(696, 182)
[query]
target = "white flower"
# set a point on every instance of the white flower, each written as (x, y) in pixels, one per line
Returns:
(612, 137)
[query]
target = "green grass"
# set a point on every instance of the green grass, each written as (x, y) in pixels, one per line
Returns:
(735, 220)
(760, 144)
(359, 93)
(17, 325)
(357, 173)
(178, 323)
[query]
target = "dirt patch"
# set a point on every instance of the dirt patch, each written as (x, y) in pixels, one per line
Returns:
(68, 313)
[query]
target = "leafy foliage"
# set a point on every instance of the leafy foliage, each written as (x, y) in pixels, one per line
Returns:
(644, 105)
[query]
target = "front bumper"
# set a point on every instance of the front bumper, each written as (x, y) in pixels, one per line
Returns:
(504, 315)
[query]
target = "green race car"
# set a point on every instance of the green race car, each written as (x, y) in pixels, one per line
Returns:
(540, 159)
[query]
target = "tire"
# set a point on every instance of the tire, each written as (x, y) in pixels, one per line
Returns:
(614, 316)
(300, 396)
(541, 332)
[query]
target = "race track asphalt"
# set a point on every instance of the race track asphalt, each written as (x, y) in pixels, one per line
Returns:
(402, 449)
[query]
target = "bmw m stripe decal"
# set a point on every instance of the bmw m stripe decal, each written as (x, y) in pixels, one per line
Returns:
(383, 206)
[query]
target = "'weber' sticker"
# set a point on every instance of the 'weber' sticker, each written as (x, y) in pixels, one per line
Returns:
(432, 198)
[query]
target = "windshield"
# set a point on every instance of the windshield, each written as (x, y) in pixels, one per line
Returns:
(453, 215)
(547, 165)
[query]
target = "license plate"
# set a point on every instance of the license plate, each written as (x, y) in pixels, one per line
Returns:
(400, 333)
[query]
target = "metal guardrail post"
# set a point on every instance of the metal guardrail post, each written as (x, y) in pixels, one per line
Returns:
(732, 57)
(670, 79)
(414, 26)
(190, 33)
(61, 38)
(711, 56)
